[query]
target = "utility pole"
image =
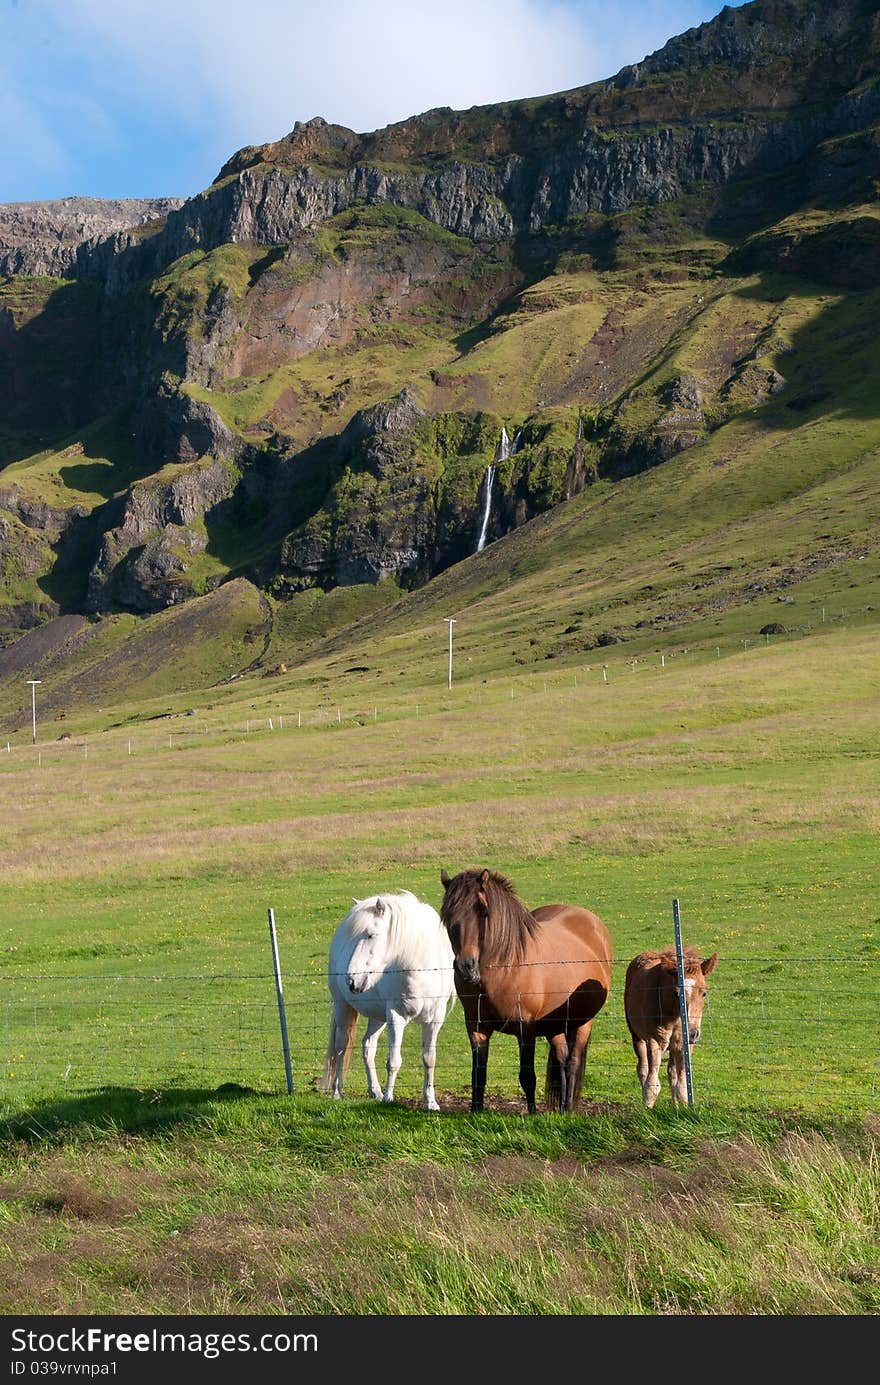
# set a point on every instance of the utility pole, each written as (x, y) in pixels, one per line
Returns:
(450, 622)
(34, 683)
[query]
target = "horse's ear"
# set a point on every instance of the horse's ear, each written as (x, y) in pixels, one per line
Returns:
(481, 892)
(379, 907)
(445, 880)
(355, 901)
(708, 964)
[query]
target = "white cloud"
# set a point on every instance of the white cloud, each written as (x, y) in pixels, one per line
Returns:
(135, 97)
(263, 65)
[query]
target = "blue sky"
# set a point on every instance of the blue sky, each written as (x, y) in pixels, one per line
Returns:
(145, 98)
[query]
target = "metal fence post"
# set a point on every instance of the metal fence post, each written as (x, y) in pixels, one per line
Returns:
(280, 992)
(682, 1003)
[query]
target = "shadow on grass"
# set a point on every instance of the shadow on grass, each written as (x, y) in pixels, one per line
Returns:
(128, 1110)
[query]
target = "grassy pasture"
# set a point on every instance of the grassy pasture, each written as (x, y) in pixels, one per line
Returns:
(154, 851)
(151, 1160)
(198, 1201)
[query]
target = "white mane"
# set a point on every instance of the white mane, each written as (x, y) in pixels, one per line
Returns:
(416, 936)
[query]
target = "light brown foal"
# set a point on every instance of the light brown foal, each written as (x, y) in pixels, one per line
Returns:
(651, 1006)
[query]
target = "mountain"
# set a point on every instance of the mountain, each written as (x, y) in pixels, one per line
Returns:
(328, 369)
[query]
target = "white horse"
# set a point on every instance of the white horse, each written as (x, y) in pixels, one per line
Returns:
(390, 960)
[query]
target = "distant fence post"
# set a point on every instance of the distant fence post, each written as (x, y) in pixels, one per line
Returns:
(682, 1003)
(280, 993)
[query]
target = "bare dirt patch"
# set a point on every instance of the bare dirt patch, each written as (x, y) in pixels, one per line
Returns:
(46, 642)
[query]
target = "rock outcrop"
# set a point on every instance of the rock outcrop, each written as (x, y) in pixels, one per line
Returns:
(45, 238)
(143, 560)
(593, 171)
(379, 519)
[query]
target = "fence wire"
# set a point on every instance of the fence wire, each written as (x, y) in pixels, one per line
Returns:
(805, 1036)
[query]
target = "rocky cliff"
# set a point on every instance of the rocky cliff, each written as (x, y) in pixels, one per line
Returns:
(594, 171)
(44, 238)
(305, 372)
(750, 93)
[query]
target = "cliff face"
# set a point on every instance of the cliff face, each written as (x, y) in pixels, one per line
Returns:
(592, 170)
(750, 93)
(306, 372)
(43, 238)
(515, 196)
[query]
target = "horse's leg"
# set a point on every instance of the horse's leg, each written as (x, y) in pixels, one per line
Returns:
(649, 1071)
(479, 1062)
(430, 1031)
(527, 1079)
(396, 1025)
(640, 1047)
(559, 1098)
(333, 1074)
(677, 1074)
(371, 1040)
(577, 1061)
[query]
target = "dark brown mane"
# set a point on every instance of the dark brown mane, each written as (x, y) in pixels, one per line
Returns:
(509, 924)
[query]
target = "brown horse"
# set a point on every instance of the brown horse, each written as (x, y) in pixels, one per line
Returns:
(653, 1015)
(526, 973)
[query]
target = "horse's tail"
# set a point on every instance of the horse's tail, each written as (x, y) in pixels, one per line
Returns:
(329, 1076)
(553, 1082)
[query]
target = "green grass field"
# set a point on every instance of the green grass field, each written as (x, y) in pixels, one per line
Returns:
(142, 860)
(150, 1156)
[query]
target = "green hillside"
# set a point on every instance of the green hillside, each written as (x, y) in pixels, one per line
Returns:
(768, 519)
(276, 451)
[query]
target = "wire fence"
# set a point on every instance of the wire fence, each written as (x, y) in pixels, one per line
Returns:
(30, 745)
(805, 1034)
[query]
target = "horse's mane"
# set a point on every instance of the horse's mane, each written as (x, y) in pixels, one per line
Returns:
(509, 924)
(414, 927)
(690, 957)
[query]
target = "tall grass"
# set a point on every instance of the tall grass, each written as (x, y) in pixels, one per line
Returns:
(225, 1202)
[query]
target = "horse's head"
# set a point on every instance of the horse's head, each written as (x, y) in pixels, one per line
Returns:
(370, 922)
(695, 988)
(463, 912)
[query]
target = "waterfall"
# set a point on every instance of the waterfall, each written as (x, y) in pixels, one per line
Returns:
(502, 453)
(580, 434)
(514, 446)
(490, 477)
